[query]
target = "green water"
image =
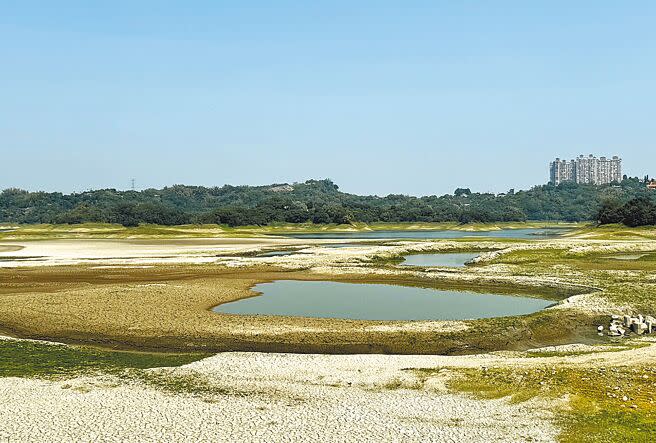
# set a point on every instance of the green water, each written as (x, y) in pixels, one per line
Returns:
(325, 299)
(527, 233)
(455, 259)
(276, 254)
(626, 256)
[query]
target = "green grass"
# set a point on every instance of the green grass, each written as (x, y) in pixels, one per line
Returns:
(20, 358)
(188, 383)
(595, 409)
(32, 359)
(617, 346)
(617, 232)
(544, 255)
(623, 282)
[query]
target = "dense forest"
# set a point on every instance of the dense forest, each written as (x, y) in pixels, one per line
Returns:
(318, 201)
(639, 211)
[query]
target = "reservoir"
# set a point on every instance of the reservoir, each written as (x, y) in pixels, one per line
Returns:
(626, 256)
(326, 299)
(346, 245)
(276, 254)
(455, 259)
(531, 233)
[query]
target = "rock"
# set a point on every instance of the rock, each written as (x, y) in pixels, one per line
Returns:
(638, 328)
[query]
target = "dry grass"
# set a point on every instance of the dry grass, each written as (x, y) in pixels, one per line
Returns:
(167, 308)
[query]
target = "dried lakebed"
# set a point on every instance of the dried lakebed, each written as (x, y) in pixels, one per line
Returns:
(326, 299)
(293, 397)
(263, 397)
(130, 297)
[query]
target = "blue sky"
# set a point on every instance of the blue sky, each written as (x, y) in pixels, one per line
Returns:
(383, 97)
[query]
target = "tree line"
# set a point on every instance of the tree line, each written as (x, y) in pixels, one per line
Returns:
(639, 211)
(317, 201)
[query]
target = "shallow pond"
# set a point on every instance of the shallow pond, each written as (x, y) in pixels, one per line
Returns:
(426, 234)
(327, 299)
(276, 254)
(626, 256)
(346, 245)
(451, 259)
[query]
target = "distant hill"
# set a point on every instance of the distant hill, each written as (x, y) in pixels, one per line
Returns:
(318, 201)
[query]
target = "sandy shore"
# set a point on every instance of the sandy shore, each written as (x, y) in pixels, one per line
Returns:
(263, 398)
(38, 411)
(258, 397)
(20, 253)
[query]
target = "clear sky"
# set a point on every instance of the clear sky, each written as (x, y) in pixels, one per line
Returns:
(413, 97)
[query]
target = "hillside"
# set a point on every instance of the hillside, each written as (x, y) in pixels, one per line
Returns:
(318, 201)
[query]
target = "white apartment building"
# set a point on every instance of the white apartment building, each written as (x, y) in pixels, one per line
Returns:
(590, 169)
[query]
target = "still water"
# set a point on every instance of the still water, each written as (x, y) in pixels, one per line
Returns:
(626, 256)
(276, 254)
(451, 259)
(503, 233)
(327, 299)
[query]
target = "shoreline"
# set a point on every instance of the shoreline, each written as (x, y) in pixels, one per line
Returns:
(100, 230)
(181, 326)
(156, 294)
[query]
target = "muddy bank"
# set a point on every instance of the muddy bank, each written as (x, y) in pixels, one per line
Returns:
(11, 248)
(168, 309)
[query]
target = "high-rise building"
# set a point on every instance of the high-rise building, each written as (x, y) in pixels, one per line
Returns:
(610, 170)
(592, 170)
(562, 171)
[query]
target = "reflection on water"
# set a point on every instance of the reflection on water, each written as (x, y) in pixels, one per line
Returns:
(455, 259)
(346, 245)
(626, 256)
(376, 302)
(503, 233)
(276, 254)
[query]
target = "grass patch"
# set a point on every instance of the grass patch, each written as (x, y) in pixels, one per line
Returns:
(609, 405)
(188, 383)
(31, 359)
(617, 232)
(533, 256)
(617, 347)
(19, 358)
